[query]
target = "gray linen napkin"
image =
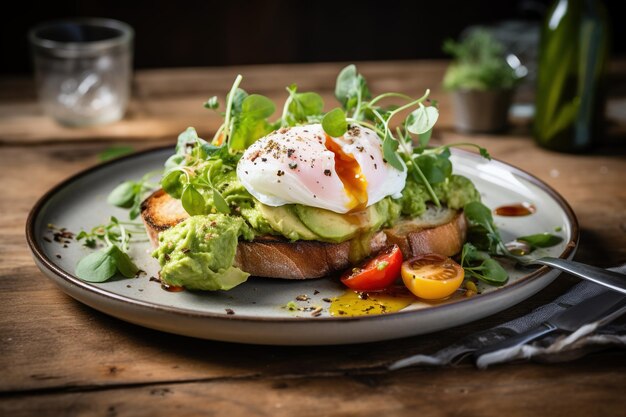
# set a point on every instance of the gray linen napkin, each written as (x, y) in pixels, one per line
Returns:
(553, 348)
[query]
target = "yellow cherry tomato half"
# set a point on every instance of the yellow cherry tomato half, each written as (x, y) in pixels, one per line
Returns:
(432, 276)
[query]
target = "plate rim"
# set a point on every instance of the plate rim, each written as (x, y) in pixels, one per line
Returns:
(69, 278)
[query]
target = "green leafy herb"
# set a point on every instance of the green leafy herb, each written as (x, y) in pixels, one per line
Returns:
(220, 203)
(422, 119)
(123, 262)
(130, 194)
(256, 106)
(105, 263)
(114, 152)
(480, 265)
(351, 89)
(541, 240)
(123, 195)
(97, 267)
(301, 107)
(250, 124)
(334, 123)
(245, 118)
(484, 240)
(192, 200)
(390, 148)
(435, 167)
(482, 231)
(184, 169)
(172, 184)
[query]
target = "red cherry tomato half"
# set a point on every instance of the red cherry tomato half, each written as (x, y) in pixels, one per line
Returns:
(376, 273)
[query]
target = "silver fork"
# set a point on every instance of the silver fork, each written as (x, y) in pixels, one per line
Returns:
(610, 279)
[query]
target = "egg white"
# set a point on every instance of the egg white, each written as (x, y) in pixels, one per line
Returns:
(293, 166)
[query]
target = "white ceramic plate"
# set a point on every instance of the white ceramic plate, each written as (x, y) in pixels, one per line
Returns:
(260, 316)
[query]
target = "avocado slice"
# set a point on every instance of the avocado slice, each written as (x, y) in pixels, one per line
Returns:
(337, 227)
(284, 220)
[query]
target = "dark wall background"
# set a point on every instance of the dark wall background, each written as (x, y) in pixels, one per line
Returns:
(207, 33)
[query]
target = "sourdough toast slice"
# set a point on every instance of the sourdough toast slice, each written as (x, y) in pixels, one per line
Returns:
(160, 212)
(439, 230)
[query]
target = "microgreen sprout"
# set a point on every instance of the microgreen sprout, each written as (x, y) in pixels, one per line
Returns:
(102, 265)
(426, 166)
(130, 194)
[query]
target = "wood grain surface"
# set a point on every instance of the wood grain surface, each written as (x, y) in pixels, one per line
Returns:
(59, 357)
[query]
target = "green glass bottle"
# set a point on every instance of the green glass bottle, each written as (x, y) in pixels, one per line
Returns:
(570, 99)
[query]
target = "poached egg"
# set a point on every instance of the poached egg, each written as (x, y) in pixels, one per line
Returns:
(303, 165)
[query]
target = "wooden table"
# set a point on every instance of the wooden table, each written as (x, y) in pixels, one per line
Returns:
(59, 357)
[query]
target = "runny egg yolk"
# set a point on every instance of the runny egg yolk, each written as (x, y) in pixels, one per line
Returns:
(349, 172)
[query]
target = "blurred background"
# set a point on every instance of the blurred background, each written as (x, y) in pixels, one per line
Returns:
(235, 32)
(204, 43)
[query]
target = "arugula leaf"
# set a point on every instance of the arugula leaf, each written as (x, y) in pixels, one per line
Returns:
(482, 231)
(480, 265)
(494, 272)
(334, 122)
(471, 254)
(541, 240)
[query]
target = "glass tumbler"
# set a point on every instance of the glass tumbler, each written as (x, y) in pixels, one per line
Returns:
(83, 69)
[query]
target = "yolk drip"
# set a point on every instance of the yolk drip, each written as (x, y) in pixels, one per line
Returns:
(349, 171)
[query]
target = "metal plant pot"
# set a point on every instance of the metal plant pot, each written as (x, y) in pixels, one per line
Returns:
(481, 111)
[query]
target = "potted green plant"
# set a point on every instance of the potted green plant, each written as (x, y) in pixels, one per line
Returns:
(481, 81)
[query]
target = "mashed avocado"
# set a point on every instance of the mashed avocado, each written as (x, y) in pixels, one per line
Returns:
(198, 253)
(459, 191)
(224, 178)
(455, 192)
